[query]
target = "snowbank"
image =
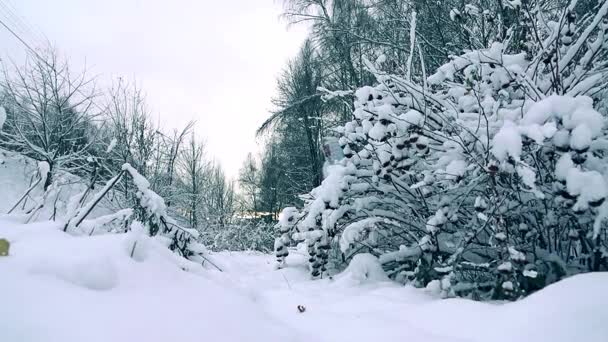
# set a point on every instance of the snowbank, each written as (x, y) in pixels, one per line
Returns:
(57, 287)
(570, 310)
(340, 309)
(363, 268)
(129, 287)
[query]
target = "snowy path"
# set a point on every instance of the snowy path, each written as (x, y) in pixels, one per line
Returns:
(57, 287)
(344, 309)
(336, 310)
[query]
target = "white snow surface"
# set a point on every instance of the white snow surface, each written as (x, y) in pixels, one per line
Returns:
(57, 287)
(507, 142)
(111, 145)
(2, 117)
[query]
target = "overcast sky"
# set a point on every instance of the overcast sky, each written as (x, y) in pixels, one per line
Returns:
(213, 61)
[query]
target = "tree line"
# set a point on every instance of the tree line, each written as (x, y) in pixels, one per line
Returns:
(413, 37)
(63, 118)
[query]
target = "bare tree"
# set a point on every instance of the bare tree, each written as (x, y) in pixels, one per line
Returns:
(51, 112)
(249, 182)
(192, 167)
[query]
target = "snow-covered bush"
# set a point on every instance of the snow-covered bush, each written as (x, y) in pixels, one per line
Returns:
(86, 209)
(287, 221)
(153, 212)
(488, 177)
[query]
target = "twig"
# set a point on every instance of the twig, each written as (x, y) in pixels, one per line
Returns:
(287, 281)
(24, 195)
(133, 249)
(212, 264)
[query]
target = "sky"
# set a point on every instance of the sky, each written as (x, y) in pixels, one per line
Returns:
(212, 61)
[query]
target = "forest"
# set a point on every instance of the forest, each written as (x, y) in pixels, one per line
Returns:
(455, 147)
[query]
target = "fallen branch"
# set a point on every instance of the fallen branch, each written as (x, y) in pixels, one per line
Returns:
(27, 192)
(85, 211)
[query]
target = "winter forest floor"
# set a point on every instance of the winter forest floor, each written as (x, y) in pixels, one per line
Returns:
(57, 287)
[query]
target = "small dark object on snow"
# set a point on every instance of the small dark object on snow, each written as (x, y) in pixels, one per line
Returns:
(301, 308)
(4, 247)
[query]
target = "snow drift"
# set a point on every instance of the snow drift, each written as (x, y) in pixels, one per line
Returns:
(57, 287)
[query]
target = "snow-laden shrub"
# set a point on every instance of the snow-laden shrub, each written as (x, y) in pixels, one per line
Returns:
(153, 212)
(487, 178)
(150, 217)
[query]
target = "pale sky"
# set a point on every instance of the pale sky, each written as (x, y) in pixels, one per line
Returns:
(213, 61)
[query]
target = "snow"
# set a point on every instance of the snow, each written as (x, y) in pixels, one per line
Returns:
(80, 214)
(516, 255)
(412, 45)
(480, 203)
(72, 289)
(454, 13)
(377, 132)
(328, 192)
(363, 268)
(500, 236)
(561, 138)
(127, 286)
(111, 145)
(362, 94)
(542, 111)
(581, 138)
(512, 3)
(471, 9)
(528, 177)
(402, 254)
(17, 171)
(435, 222)
(2, 117)
(43, 169)
(586, 116)
(107, 222)
(505, 266)
(507, 142)
(287, 216)
(150, 200)
(455, 169)
(574, 111)
(563, 166)
(589, 186)
(354, 231)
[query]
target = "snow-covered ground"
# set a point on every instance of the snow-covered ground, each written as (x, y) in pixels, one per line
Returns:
(57, 287)
(129, 287)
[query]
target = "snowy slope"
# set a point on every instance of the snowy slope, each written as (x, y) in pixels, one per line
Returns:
(56, 287)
